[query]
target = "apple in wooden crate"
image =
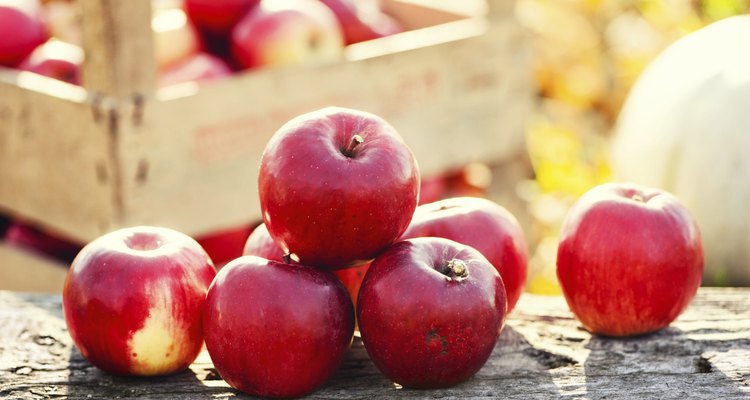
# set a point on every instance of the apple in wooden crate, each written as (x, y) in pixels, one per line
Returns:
(630, 259)
(56, 59)
(337, 186)
(24, 235)
(276, 329)
(175, 36)
(133, 300)
(218, 17)
(362, 20)
(200, 67)
(21, 31)
(282, 32)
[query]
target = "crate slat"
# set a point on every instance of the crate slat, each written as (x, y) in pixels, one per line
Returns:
(55, 159)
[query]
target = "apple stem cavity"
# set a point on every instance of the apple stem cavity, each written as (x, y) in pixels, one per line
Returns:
(314, 42)
(353, 144)
(456, 268)
(145, 242)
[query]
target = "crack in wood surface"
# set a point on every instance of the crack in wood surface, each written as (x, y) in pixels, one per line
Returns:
(549, 359)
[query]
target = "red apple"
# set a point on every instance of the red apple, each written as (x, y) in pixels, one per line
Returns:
(282, 32)
(200, 67)
(21, 234)
(483, 225)
(175, 36)
(56, 59)
(225, 245)
(261, 244)
(21, 32)
(630, 259)
(361, 21)
(430, 312)
(133, 300)
(275, 329)
(337, 186)
(218, 17)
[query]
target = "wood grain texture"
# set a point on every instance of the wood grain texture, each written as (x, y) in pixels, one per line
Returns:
(542, 354)
(55, 165)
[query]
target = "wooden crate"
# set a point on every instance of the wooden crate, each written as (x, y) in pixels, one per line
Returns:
(117, 152)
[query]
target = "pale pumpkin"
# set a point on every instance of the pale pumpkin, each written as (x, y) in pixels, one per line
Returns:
(685, 127)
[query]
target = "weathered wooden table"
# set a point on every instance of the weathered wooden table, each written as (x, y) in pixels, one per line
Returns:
(542, 354)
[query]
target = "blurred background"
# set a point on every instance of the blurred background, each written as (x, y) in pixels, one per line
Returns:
(588, 55)
(585, 57)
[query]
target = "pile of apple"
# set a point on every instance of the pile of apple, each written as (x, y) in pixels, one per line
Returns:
(338, 189)
(197, 40)
(433, 284)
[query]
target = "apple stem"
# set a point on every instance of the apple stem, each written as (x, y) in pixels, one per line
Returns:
(456, 268)
(637, 197)
(353, 144)
(290, 258)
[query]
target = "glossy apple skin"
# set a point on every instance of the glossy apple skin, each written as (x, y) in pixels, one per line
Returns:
(201, 67)
(276, 329)
(21, 32)
(630, 259)
(56, 59)
(426, 328)
(133, 301)
(285, 32)
(218, 17)
(483, 225)
(330, 209)
(260, 244)
(361, 21)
